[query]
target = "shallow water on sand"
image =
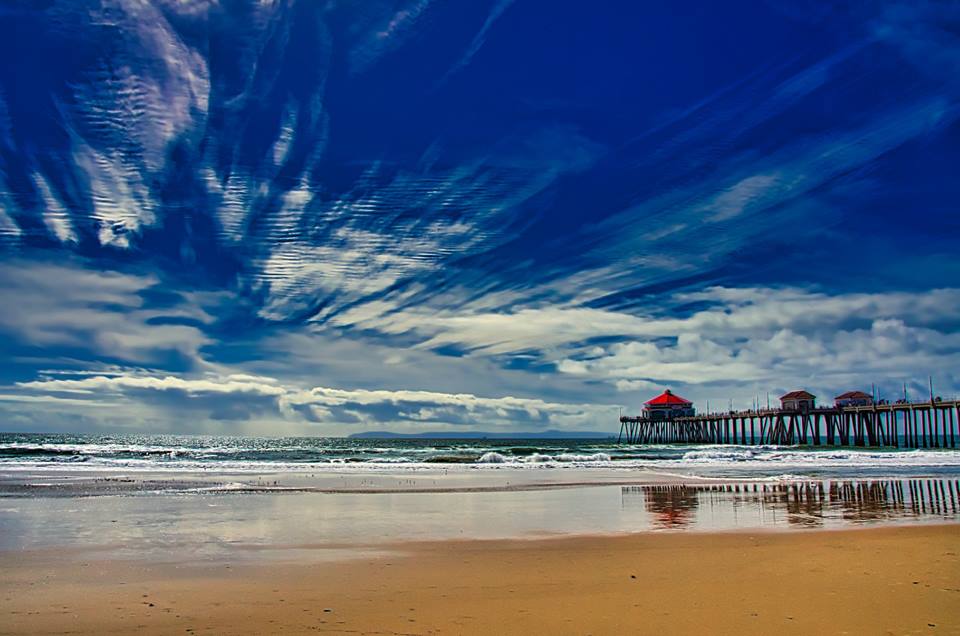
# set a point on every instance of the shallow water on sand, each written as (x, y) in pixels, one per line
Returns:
(222, 526)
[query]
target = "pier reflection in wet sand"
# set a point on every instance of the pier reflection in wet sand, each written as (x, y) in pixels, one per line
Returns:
(804, 503)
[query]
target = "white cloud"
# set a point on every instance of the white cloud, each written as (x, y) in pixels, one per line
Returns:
(55, 216)
(97, 384)
(52, 399)
(8, 228)
(750, 191)
(397, 226)
(737, 335)
(323, 405)
(722, 339)
(387, 34)
(50, 305)
(787, 337)
(734, 312)
(342, 397)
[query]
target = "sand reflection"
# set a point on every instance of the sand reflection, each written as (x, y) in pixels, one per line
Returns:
(804, 504)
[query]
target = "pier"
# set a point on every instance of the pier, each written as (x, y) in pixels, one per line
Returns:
(928, 424)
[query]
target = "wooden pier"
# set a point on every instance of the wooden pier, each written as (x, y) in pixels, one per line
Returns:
(933, 424)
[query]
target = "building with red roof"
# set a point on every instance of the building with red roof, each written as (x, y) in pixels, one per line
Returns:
(798, 401)
(667, 406)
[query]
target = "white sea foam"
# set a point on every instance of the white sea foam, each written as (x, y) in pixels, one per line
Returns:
(537, 458)
(541, 458)
(595, 457)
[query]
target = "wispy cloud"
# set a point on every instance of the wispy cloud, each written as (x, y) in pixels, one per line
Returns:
(739, 311)
(480, 38)
(387, 34)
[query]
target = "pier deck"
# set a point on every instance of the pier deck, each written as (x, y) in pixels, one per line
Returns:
(932, 424)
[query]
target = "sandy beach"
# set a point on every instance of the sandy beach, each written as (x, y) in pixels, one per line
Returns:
(889, 580)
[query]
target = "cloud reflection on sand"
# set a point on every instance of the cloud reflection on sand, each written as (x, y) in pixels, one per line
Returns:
(312, 526)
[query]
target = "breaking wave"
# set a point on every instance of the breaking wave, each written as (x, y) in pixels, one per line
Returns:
(493, 457)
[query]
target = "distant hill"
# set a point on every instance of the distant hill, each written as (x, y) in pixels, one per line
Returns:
(482, 435)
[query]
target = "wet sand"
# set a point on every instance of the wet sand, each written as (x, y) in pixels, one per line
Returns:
(230, 527)
(460, 478)
(872, 581)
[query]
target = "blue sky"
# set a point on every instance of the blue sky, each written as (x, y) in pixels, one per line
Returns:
(283, 217)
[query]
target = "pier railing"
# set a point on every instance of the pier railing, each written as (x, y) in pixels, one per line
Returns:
(934, 424)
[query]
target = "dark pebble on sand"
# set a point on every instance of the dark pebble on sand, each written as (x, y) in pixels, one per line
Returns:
(327, 609)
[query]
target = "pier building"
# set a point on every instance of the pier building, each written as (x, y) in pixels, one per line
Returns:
(798, 401)
(668, 406)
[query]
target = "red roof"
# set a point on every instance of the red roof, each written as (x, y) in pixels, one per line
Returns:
(854, 395)
(798, 395)
(668, 399)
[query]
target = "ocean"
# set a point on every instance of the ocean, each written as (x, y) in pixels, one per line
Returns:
(52, 453)
(230, 498)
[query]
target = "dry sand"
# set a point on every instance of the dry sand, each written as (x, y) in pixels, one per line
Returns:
(902, 580)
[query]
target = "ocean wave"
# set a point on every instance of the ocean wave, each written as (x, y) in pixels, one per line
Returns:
(493, 457)
(21, 449)
(250, 455)
(595, 457)
(452, 459)
(54, 452)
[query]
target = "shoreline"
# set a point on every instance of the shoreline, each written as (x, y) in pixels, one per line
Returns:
(462, 479)
(898, 579)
